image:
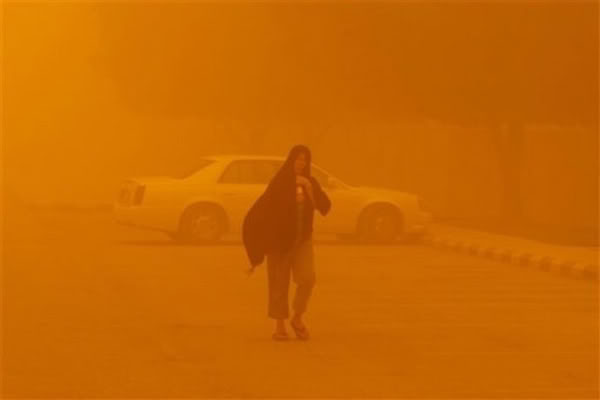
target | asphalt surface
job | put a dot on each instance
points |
(95, 310)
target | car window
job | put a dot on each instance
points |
(231, 174)
(239, 172)
(265, 170)
(250, 172)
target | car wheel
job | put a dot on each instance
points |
(379, 225)
(414, 238)
(173, 236)
(201, 224)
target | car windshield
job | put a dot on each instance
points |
(198, 165)
(323, 177)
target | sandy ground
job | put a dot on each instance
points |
(94, 310)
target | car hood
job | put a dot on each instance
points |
(144, 180)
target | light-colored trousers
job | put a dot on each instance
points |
(299, 263)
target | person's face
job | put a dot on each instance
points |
(300, 163)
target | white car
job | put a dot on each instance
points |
(214, 200)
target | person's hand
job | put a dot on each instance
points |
(250, 270)
(302, 180)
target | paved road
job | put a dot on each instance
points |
(91, 310)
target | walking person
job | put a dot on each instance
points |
(279, 227)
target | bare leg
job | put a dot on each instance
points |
(297, 320)
(299, 327)
(280, 325)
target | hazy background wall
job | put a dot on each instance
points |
(484, 110)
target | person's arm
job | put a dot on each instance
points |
(319, 198)
(309, 191)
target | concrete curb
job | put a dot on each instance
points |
(544, 262)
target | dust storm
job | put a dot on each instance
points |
(457, 143)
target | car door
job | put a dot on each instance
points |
(241, 183)
(345, 205)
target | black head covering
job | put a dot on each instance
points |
(270, 222)
(283, 183)
(293, 154)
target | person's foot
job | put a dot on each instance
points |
(280, 332)
(280, 335)
(299, 329)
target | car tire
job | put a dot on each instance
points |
(201, 224)
(379, 224)
(414, 238)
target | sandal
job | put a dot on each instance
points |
(280, 336)
(301, 331)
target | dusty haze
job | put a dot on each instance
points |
(487, 110)
(409, 96)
